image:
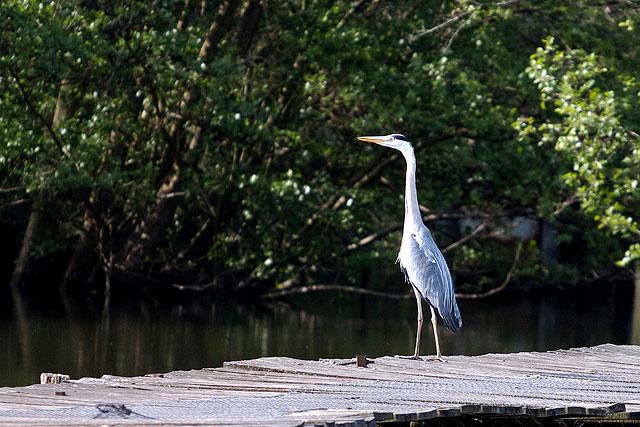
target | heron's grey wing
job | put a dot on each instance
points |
(433, 279)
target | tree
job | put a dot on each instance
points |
(592, 129)
(210, 144)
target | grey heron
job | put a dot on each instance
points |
(420, 260)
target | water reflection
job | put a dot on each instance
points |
(79, 338)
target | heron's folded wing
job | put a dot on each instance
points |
(434, 279)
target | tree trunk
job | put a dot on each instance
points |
(84, 256)
(22, 263)
(24, 257)
(87, 252)
(150, 232)
(250, 14)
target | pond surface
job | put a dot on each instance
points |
(79, 338)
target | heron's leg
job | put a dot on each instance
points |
(416, 354)
(434, 323)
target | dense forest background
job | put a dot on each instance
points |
(211, 144)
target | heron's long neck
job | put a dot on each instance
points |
(411, 209)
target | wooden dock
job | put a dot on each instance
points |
(587, 382)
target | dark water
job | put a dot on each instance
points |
(79, 338)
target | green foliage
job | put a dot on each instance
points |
(215, 142)
(589, 129)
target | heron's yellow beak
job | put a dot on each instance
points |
(376, 139)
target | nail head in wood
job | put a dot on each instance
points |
(361, 360)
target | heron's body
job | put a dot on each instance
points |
(420, 259)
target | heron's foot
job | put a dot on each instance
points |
(438, 359)
(412, 357)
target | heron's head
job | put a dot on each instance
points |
(394, 140)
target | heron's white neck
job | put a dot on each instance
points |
(411, 208)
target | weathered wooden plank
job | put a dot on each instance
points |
(283, 391)
(202, 422)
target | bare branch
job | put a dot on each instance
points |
(460, 16)
(15, 203)
(192, 242)
(456, 32)
(47, 125)
(355, 8)
(10, 190)
(314, 288)
(366, 241)
(195, 288)
(218, 26)
(439, 27)
(565, 204)
(502, 3)
(504, 284)
(464, 239)
(183, 16)
(172, 195)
